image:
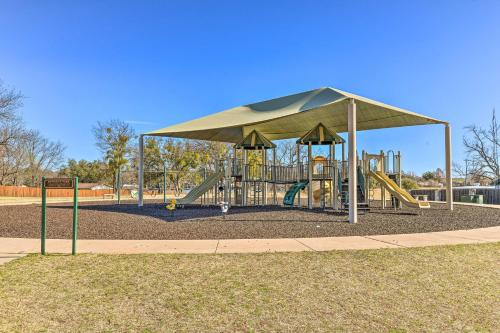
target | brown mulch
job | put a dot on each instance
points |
(127, 221)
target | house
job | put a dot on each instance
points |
(93, 186)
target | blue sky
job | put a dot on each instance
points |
(156, 63)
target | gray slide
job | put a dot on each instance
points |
(201, 189)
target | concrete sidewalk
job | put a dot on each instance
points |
(24, 245)
(6, 257)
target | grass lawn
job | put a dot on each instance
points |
(449, 288)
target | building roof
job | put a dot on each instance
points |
(294, 115)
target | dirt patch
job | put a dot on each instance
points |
(127, 221)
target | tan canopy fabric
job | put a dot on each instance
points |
(320, 135)
(255, 140)
(294, 115)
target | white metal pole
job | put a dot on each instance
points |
(366, 170)
(298, 173)
(141, 170)
(353, 186)
(343, 161)
(273, 175)
(449, 183)
(244, 178)
(400, 177)
(332, 170)
(309, 176)
(382, 188)
(264, 177)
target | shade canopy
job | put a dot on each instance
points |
(320, 135)
(294, 115)
(255, 140)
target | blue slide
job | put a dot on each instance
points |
(292, 191)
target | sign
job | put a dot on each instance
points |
(59, 183)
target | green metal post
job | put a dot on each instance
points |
(43, 233)
(164, 183)
(75, 216)
(119, 183)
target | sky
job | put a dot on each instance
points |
(157, 63)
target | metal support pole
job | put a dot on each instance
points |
(164, 183)
(227, 182)
(322, 194)
(217, 170)
(298, 173)
(275, 198)
(343, 161)
(366, 169)
(449, 183)
(141, 170)
(43, 233)
(75, 216)
(335, 185)
(353, 186)
(332, 175)
(119, 184)
(382, 188)
(264, 177)
(309, 176)
(400, 172)
(244, 179)
(255, 203)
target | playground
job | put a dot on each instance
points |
(251, 176)
(327, 190)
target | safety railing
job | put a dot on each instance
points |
(284, 173)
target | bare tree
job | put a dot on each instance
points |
(42, 156)
(11, 126)
(471, 171)
(286, 152)
(10, 102)
(13, 161)
(481, 146)
(12, 135)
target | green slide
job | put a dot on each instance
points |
(290, 194)
(201, 189)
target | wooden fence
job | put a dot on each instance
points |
(19, 191)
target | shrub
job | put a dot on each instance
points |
(429, 175)
(409, 184)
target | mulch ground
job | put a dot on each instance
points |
(127, 221)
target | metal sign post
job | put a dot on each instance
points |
(43, 234)
(164, 183)
(59, 183)
(75, 216)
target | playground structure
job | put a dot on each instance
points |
(315, 117)
(323, 180)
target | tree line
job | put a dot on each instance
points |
(26, 155)
(482, 147)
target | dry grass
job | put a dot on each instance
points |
(452, 288)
